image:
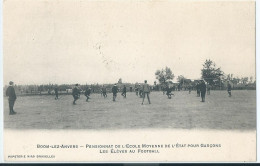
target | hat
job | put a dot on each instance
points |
(11, 83)
(77, 84)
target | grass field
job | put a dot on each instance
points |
(183, 111)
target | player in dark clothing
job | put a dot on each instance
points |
(56, 93)
(124, 92)
(208, 89)
(140, 91)
(198, 89)
(189, 88)
(114, 91)
(202, 90)
(146, 91)
(87, 93)
(229, 89)
(136, 91)
(169, 92)
(10, 92)
(75, 93)
(104, 91)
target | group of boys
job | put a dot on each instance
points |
(144, 90)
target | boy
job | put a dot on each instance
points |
(87, 93)
(10, 92)
(146, 91)
(75, 93)
(114, 91)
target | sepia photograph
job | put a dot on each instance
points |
(139, 74)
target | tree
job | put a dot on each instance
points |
(211, 73)
(183, 81)
(164, 75)
(251, 79)
(236, 80)
(244, 80)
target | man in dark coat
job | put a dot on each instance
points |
(189, 88)
(136, 90)
(76, 93)
(198, 89)
(202, 90)
(114, 91)
(87, 93)
(124, 92)
(229, 89)
(56, 92)
(10, 92)
(146, 91)
(140, 91)
(169, 92)
(104, 91)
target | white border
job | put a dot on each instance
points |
(257, 78)
(1, 85)
(257, 82)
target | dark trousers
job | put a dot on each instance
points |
(114, 96)
(105, 94)
(146, 93)
(229, 93)
(57, 96)
(198, 93)
(169, 94)
(124, 94)
(11, 105)
(76, 97)
(203, 95)
(141, 94)
(87, 97)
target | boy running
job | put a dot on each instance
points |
(75, 93)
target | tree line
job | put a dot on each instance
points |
(210, 73)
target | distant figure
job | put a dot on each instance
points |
(10, 92)
(136, 90)
(169, 92)
(163, 90)
(124, 91)
(198, 89)
(146, 91)
(56, 93)
(101, 92)
(76, 93)
(208, 89)
(114, 91)
(229, 89)
(189, 88)
(140, 91)
(104, 91)
(87, 93)
(202, 90)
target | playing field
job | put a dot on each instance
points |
(183, 111)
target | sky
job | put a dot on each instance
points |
(64, 41)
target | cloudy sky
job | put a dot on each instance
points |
(65, 41)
